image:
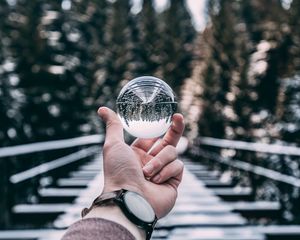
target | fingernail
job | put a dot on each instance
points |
(101, 111)
(148, 168)
(156, 178)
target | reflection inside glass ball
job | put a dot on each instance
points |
(145, 106)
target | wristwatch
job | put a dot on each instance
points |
(136, 208)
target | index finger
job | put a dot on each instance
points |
(173, 134)
(144, 144)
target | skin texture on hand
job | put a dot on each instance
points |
(155, 174)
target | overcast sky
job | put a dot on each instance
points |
(196, 7)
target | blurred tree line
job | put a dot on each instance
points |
(238, 79)
(245, 85)
(61, 60)
(245, 81)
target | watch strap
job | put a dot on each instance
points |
(116, 198)
(105, 199)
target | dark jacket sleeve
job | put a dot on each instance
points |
(97, 228)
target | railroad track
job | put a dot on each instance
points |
(208, 206)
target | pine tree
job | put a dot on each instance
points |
(267, 31)
(246, 85)
(150, 39)
(11, 100)
(240, 96)
(177, 34)
(56, 74)
(119, 53)
(288, 98)
(294, 21)
(3, 111)
(19, 53)
(8, 104)
(97, 11)
(221, 64)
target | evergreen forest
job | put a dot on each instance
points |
(237, 79)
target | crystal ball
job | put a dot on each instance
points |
(145, 107)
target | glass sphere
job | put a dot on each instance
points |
(145, 107)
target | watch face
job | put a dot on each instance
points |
(139, 207)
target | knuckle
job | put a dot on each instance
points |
(172, 151)
(171, 148)
(165, 143)
(157, 163)
(175, 155)
(180, 165)
(111, 123)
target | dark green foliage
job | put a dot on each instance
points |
(149, 37)
(249, 82)
(70, 57)
(177, 35)
(119, 49)
(250, 47)
(219, 69)
(61, 60)
(294, 50)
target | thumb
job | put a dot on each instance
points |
(114, 129)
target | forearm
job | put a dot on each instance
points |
(114, 214)
(97, 228)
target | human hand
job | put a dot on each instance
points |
(155, 175)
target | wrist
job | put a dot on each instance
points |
(115, 187)
(113, 213)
